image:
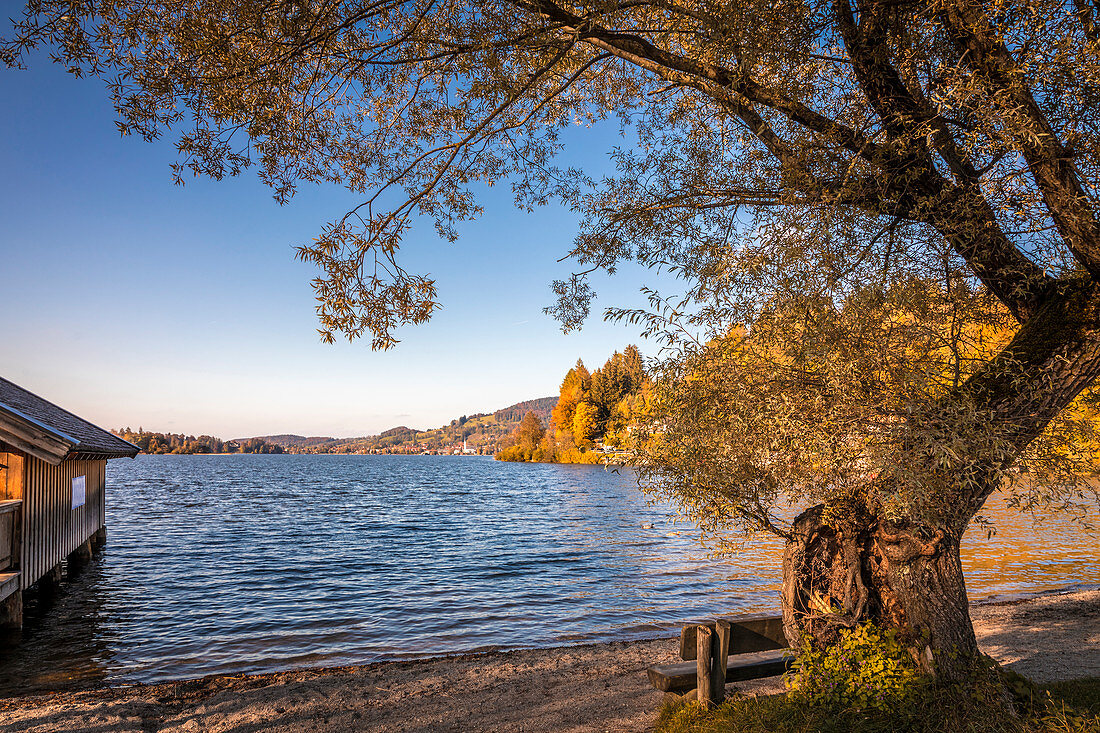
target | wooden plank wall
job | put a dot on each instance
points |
(51, 527)
(7, 539)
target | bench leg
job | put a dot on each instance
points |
(719, 650)
(703, 666)
(711, 655)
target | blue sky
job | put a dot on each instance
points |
(131, 301)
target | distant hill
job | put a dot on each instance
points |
(477, 433)
(481, 432)
(542, 407)
(293, 441)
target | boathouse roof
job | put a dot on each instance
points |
(46, 431)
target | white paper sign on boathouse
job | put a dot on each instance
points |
(78, 492)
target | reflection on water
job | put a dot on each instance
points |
(1028, 553)
(221, 564)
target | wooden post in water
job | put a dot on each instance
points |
(50, 581)
(80, 557)
(703, 662)
(11, 611)
(720, 650)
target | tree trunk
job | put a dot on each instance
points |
(903, 577)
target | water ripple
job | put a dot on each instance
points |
(219, 564)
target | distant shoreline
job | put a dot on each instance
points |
(602, 463)
(290, 453)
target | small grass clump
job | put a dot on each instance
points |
(1081, 695)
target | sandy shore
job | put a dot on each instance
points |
(594, 688)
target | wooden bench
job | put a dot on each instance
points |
(724, 650)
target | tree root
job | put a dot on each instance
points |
(824, 588)
(902, 576)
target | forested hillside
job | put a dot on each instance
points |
(478, 433)
(190, 444)
(292, 441)
(593, 410)
(485, 433)
(514, 414)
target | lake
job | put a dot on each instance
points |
(252, 563)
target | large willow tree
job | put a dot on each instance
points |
(885, 212)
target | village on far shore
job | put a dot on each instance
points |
(478, 434)
(592, 420)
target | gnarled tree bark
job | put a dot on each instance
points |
(907, 577)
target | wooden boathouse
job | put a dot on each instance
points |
(53, 468)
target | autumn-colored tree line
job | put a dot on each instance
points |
(190, 444)
(594, 409)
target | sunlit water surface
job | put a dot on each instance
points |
(219, 564)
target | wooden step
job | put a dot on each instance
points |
(740, 667)
(9, 583)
